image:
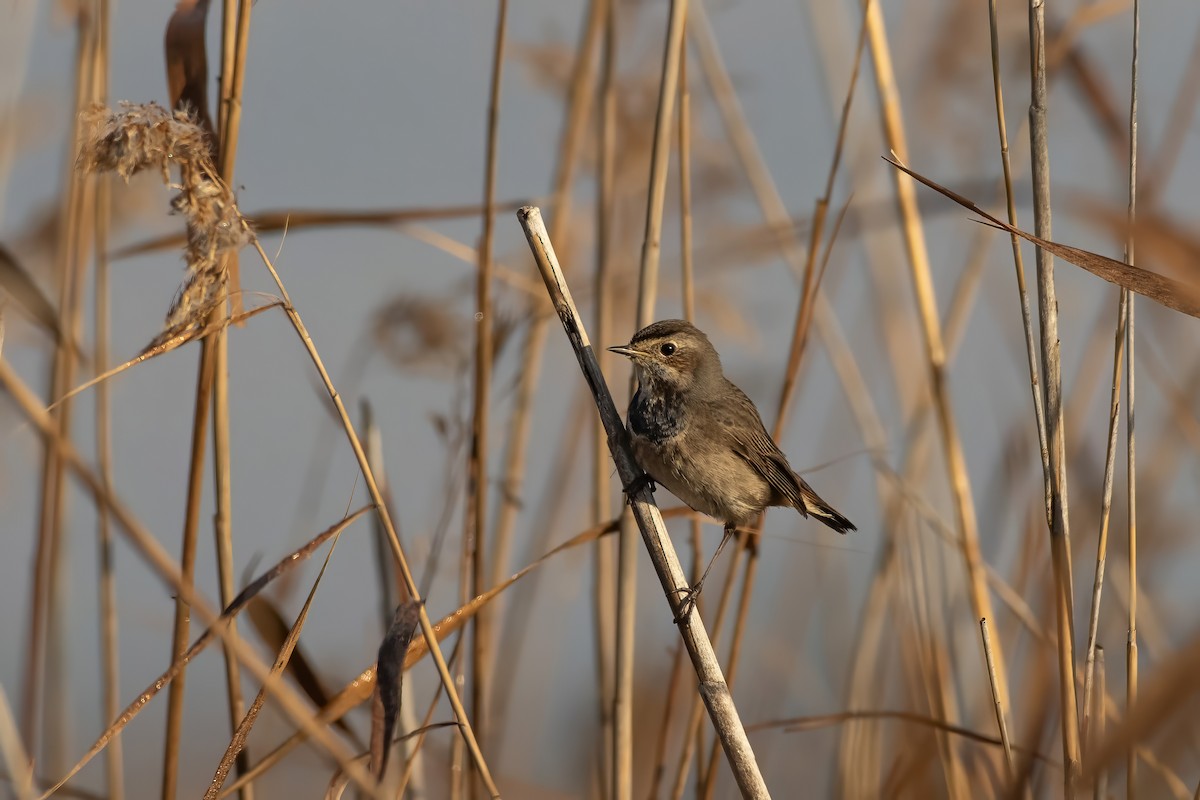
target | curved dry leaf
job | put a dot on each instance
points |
(187, 62)
(1173, 294)
(1178, 296)
(20, 285)
(389, 671)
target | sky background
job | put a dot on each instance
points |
(382, 105)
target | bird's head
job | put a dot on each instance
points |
(675, 353)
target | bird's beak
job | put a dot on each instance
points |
(628, 352)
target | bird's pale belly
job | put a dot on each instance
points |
(711, 480)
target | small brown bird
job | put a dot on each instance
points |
(700, 436)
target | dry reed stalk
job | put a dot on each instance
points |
(213, 373)
(187, 564)
(707, 778)
(45, 603)
(390, 586)
(660, 156)
(108, 609)
(477, 481)
(712, 683)
(935, 352)
(604, 567)
(1105, 511)
(1131, 655)
(686, 267)
(1018, 262)
(234, 50)
(626, 629)
(235, 39)
(1060, 542)
(933, 671)
(659, 762)
(692, 741)
(1101, 790)
(687, 294)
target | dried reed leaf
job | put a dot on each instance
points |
(202, 641)
(187, 63)
(297, 219)
(284, 655)
(274, 630)
(1181, 297)
(389, 670)
(21, 286)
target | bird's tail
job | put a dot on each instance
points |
(822, 511)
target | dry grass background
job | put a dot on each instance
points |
(395, 309)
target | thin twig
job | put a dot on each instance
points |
(477, 460)
(1001, 722)
(110, 649)
(1131, 657)
(40, 667)
(234, 53)
(603, 605)
(1105, 513)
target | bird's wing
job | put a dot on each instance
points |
(749, 439)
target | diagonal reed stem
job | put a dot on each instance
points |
(713, 687)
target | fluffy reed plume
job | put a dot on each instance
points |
(148, 136)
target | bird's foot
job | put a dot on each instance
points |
(688, 603)
(643, 481)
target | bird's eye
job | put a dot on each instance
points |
(667, 349)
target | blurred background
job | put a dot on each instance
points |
(378, 111)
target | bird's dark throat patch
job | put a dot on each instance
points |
(656, 412)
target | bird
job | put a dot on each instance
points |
(693, 431)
